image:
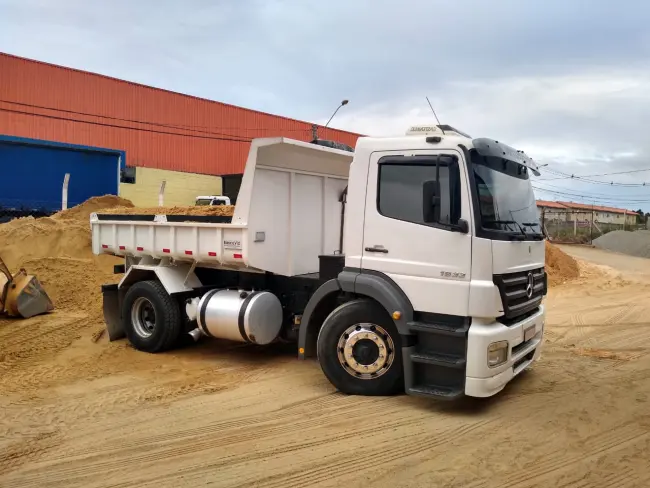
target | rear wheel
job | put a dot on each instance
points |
(359, 350)
(152, 319)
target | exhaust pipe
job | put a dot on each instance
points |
(195, 334)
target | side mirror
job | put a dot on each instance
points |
(431, 201)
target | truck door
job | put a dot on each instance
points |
(414, 205)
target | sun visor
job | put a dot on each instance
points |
(488, 147)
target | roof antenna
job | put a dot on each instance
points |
(434, 114)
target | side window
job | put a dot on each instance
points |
(405, 185)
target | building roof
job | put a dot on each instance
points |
(155, 128)
(549, 204)
(583, 206)
(598, 208)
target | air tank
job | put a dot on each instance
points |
(243, 316)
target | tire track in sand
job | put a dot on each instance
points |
(389, 452)
(597, 445)
(245, 430)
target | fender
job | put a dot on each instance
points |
(372, 284)
(381, 288)
(309, 331)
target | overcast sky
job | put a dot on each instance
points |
(568, 81)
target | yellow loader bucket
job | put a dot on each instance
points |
(22, 295)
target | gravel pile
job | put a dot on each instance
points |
(635, 243)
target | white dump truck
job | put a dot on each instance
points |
(414, 264)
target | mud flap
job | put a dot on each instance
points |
(112, 312)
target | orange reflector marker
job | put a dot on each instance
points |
(397, 315)
(301, 350)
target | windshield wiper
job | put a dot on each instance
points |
(539, 235)
(521, 229)
(523, 236)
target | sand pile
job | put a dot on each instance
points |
(82, 212)
(635, 243)
(560, 267)
(58, 251)
(208, 210)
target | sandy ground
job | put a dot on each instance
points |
(78, 411)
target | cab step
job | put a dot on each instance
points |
(437, 359)
(441, 392)
(454, 330)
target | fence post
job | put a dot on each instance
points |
(161, 193)
(64, 192)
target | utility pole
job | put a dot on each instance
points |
(314, 132)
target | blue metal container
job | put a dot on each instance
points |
(32, 173)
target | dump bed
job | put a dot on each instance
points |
(288, 213)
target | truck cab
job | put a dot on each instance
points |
(442, 229)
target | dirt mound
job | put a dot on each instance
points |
(74, 283)
(58, 251)
(82, 212)
(208, 210)
(560, 267)
(635, 243)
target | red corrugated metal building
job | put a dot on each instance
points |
(156, 128)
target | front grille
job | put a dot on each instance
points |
(514, 289)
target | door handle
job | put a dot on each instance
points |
(376, 249)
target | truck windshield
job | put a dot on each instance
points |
(203, 201)
(506, 198)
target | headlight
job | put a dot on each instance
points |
(497, 353)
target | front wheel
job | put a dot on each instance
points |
(152, 319)
(359, 350)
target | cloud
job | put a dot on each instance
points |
(565, 81)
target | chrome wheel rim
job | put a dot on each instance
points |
(143, 317)
(366, 351)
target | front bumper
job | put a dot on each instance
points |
(484, 381)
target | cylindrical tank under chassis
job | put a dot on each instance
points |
(243, 316)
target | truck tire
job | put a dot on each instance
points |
(152, 318)
(359, 350)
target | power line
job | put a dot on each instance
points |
(569, 176)
(170, 126)
(103, 124)
(594, 199)
(589, 194)
(563, 176)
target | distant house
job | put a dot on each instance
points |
(584, 213)
(554, 211)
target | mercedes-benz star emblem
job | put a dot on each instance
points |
(530, 284)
